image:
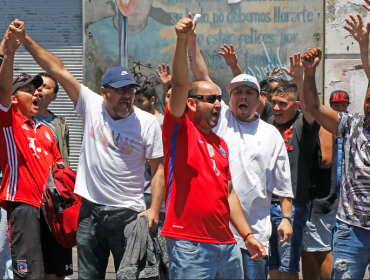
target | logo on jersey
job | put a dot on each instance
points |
(69, 266)
(32, 145)
(201, 141)
(222, 151)
(22, 266)
(211, 151)
(48, 136)
(25, 127)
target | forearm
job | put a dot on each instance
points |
(158, 189)
(365, 58)
(49, 62)
(180, 68)
(286, 204)
(237, 217)
(197, 64)
(236, 70)
(2, 47)
(6, 78)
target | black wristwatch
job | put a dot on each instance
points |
(290, 217)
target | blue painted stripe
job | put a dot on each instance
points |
(172, 159)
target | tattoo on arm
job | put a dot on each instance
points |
(313, 91)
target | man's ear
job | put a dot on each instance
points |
(192, 104)
(297, 105)
(103, 91)
(152, 100)
(264, 95)
(14, 99)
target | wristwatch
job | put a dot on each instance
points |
(290, 217)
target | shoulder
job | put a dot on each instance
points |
(144, 118)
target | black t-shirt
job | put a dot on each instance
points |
(267, 111)
(324, 196)
(304, 156)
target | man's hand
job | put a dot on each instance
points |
(358, 30)
(255, 248)
(18, 29)
(164, 74)
(274, 72)
(229, 55)
(153, 218)
(285, 230)
(11, 43)
(296, 67)
(311, 58)
(184, 28)
(367, 5)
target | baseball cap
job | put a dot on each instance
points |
(339, 96)
(118, 77)
(24, 79)
(243, 80)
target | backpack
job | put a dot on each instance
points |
(60, 205)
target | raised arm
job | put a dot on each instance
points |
(165, 76)
(325, 116)
(296, 72)
(49, 62)
(180, 78)
(360, 32)
(231, 59)
(11, 44)
(197, 64)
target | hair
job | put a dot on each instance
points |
(265, 84)
(148, 92)
(56, 86)
(287, 89)
(169, 87)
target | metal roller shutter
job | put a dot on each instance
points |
(57, 26)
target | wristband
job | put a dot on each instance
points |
(246, 236)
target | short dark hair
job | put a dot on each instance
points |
(265, 84)
(56, 86)
(287, 89)
(147, 91)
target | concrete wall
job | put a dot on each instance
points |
(343, 68)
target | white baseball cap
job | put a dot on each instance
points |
(243, 80)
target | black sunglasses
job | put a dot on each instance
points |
(210, 98)
(22, 77)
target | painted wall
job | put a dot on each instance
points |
(264, 32)
(343, 68)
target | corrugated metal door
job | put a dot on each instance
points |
(57, 26)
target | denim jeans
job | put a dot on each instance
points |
(254, 269)
(6, 269)
(198, 260)
(95, 241)
(351, 252)
(285, 256)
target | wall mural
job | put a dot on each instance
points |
(264, 33)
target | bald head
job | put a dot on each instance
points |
(200, 87)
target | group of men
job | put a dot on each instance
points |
(248, 188)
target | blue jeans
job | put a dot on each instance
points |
(6, 269)
(198, 260)
(254, 269)
(351, 252)
(285, 256)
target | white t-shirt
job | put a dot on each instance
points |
(259, 166)
(111, 165)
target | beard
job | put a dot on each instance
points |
(203, 117)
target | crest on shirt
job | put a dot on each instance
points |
(22, 266)
(25, 127)
(222, 151)
(211, 151)
(48, 136)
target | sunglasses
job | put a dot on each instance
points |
(210, 98)
(22, 77)
(122, 90)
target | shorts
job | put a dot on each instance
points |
(286, 256)
(318, 233)
(34, 250)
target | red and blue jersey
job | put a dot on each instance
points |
(196, 174)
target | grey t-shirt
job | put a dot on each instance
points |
(354, 201)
